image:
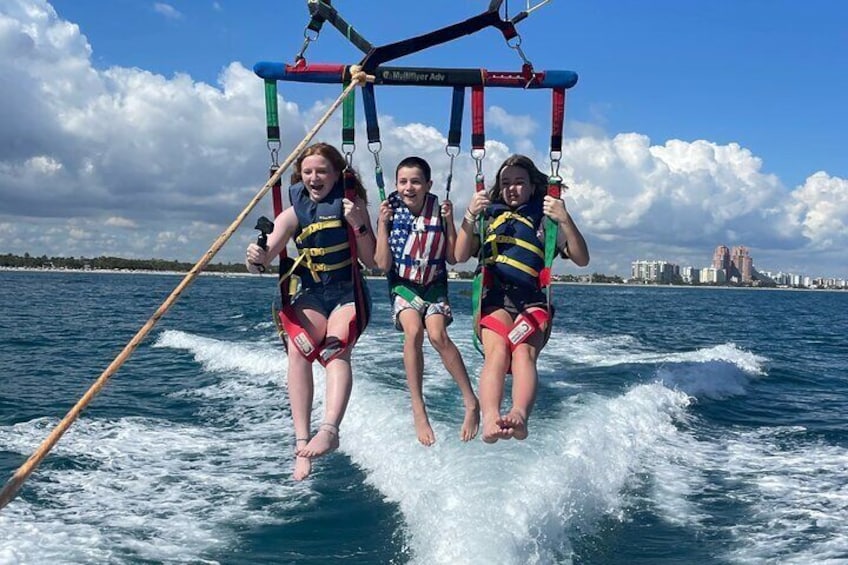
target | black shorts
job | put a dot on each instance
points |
(513, 299)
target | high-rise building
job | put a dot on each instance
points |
(743, 263)
(712, 275)
(721, 259)
(654, 271)
(690, 275)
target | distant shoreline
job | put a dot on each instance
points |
(451, 281)
(120, 272)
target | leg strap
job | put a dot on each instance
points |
(299, 337)
(524, 326)
(333, 346)
(324, 352)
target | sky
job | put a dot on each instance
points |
(137, 129)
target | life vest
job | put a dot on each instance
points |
(513, 254)
(417, 242)
(325, 256)
(322, 238)
(513, 250)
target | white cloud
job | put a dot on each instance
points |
(820, 207)
(167, 10)
(512, 125)
(119, 222)
(127, 162)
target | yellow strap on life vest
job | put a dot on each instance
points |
(316, 267)
(495, 239)
(287, 276)
(513, 263)
(321, 251)
(318, 226)
(509, 216)
(324, 267)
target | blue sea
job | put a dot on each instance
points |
(673, 425)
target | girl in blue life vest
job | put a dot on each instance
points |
(515, 208)
(323, 311)
(415, 241)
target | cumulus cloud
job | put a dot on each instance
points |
(122, 161)
(820, 209)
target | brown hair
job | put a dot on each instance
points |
(337, 161)
(414, 162)
(538, 179)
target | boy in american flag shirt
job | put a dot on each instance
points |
(415, 241)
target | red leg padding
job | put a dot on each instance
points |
(327, 350)
(524, 326)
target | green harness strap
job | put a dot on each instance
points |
(409, 295)
(477, 288)
(551, 231)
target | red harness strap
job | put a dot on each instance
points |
(524, 326)
(299, 336)
(324, 352)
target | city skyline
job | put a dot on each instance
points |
(733, 265)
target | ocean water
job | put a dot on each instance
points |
(672, 425)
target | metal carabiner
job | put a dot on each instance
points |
(348, 153)
(555, 157)
(274, 149)
(299, 59)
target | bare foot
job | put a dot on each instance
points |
(471, 423)
(299, 444)
(302, 465)
(516, 423)
(423, 430)
(493, 430)
(322, 443)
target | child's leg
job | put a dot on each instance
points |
(495, 365)
(524, 385)
(413, 364)
(300, 389)
(452, 360)
(338, 387)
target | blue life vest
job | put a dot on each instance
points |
(417, 242)
(514, 252)
(322, 238)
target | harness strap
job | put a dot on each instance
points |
(524, 326)
(322, 11)
(326, 351)
(360, 318)
(407, 294)
(489, 18)
(288, 325)
(478, 152)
